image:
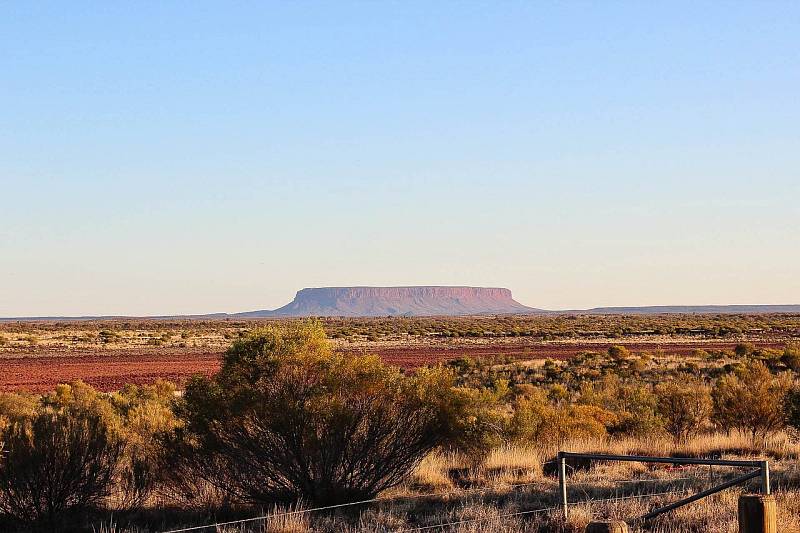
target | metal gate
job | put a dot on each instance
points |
(762, 471)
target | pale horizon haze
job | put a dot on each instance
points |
(193, 157)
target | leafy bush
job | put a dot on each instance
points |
(752, 400)
(125, 428)
(537, 421)
(14, 407)
(287, 419)
(791, 409)
(54, 463)
(744, 349)
(634, 405)
(791, 356)
(618, 353)
(685, 407)
(474, 419)
(145, 419)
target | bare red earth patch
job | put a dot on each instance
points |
(110, 370)
(105, 372)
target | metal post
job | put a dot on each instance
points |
(765, 485)
(562, 482)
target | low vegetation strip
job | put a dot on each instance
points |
(37, 356)
(110, 370)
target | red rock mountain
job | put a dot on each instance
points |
(398, 301)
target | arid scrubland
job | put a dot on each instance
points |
(209, 333)
(108, 354)
(290, 424)
(444, 489)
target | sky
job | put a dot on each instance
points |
(193, 157)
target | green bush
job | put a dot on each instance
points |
(132, 422)
(288, 419)
(55, 463)
(744, 349)
(791, 357)
(535, 420)
(14, 407)
(145, 421)
(685, 407)
(634, 405)
(752, 399)
(618, 353)
(791, 408)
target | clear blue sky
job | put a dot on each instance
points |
(177, 157)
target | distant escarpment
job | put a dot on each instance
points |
(397, 301)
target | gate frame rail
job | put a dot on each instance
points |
(762, 472)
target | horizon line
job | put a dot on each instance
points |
(680, 309)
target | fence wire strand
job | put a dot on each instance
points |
(534, 511)
(512, 487)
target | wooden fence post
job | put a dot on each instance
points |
(757, 514)
(614, 526)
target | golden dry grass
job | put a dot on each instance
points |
(499, 496)
(512, 481)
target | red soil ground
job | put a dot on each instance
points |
(110, 370)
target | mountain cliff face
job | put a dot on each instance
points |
(398, 301)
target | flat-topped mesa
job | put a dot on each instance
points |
(399, 301)
(404, 292)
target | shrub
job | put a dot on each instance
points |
(146, 420)
(791, 408)
(287, 419)
(791, 357)
(618, 353)
(536, 421)
(751, 400)
(474, 419)
(634, 405)
(138, 418)
(54, 463)
(107, 336)
(744, 349)
(685, 407)
(15, 407)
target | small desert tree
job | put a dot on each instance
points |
(751, 400)
(287, 419)
(684, 406)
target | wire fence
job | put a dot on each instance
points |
(461, 492)
(532, 511)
